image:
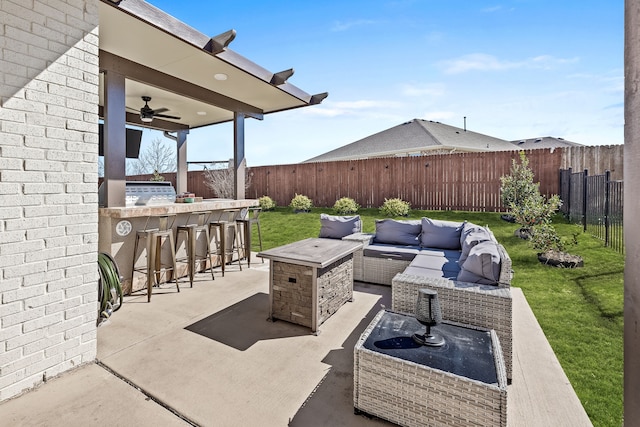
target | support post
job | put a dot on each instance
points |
(182, 171)
(115, 147)
(239, 162)
(569, 194)
(631, 208)
(607, 201)
(584, 199)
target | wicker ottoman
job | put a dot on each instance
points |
(429, 390)
(486, 306)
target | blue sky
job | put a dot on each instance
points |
(516, 69)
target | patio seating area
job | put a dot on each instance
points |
(209, 356)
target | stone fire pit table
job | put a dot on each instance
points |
(310, 279)
(462, 383)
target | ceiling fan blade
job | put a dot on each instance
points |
(164, 116)
(160, 110)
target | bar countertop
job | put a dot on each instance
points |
(176, 208)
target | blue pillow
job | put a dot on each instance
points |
(398, 232)
(337, 227)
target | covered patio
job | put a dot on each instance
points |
(157, 72)
(208, 356)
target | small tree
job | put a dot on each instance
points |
(522, 196)
(221, 180)
(518, 186)
(157, 157)
(530, 209)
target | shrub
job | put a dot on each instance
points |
(301, 203)
(395, 207)
(345, 206)
(266, 203)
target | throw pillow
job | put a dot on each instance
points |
(470, 237)
(337, 227)
(398, 232)
(441, 234)
(482, 265)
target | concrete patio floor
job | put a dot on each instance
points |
(208, 356)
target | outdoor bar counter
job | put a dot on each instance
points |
(118, 226)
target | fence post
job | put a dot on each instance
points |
(584, 200)
(607, 176)
(569, 195)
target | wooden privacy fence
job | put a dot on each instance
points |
(596, 202)
(462, 181)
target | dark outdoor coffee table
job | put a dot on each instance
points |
(461, 383)
(309, 280)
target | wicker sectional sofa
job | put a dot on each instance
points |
(462, 261)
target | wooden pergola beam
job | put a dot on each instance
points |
(146, 75)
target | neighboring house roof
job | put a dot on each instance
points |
(543, 142)
(413, 138)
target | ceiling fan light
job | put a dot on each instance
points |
(146, 119)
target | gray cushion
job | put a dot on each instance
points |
(423, 260)
(398, 232)
(430, 272)
(441, 234)
(482, 265)
(446, 253)
(470, 237)
(337, 227)
(405, 253)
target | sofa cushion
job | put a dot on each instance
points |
(446, 253)
(337, 227)
(425, 260)
(482, 265)
(430, 272)
(399, 252)
(398, 232)
(470, 237)
(441, 234)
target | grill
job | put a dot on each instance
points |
(145, 193)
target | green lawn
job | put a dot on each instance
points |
(580, 310)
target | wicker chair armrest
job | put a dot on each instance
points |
(506, 268)
(441, 282)
(365, 238)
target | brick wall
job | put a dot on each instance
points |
(48, 182)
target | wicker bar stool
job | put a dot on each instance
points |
(191, 239)
(154, 238)
(247, 218)
(221, 229)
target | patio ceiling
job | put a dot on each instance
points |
(181, 70)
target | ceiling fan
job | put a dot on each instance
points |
(147, 113)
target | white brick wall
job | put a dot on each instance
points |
(48, 189)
